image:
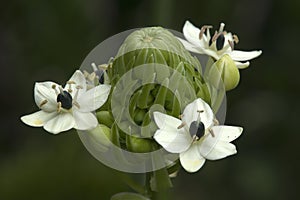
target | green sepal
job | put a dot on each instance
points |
(162, 92)
(115, 135)
(133, 102)
(203, 91)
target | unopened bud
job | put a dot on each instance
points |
(139, 145)
(228, 72)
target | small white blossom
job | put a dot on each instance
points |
(68, 107)
(216, 46)
(196, 137)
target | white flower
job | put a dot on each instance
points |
(68, 107)
(197, 137)
(219, 44)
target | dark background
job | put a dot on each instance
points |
(47, 40)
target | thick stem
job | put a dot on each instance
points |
(133, 185)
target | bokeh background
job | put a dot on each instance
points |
(47, 40)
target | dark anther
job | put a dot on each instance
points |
(100, 74)
(65, 99)
(220, 42)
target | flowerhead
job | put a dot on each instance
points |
(98, 76)
(196, 137)
(64, 108)
(216, 45)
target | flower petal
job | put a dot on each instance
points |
(191, 113)
(227, 133)
(84, 121)
(191, 160)
(190, 47)
(38, 119)
(214, 148)
(62, 122)
(173, 141)
(244, 55)
(76, 80)
(93, 98)
(241, 65)
(45, 96)
(191, 33)
(166, 122)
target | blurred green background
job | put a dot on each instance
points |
(47, 40)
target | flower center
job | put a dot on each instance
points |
(99, 73)
(65, 99)
(220, 42)
(197, 129)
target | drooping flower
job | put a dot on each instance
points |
(196, 137)
(216, 46)
(68, 107)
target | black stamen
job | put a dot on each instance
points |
(65, 99)
(197, 129)
(100, 74)
(220, 42)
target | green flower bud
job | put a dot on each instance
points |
(139, 145)
(105, 117)
(228, 71)
(171, 69)
(154, 45)
(100, 137)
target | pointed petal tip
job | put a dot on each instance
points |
(191, 160)
(259, 52)
(187, 22)
(241, 65)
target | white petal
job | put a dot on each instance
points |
(191, 113)
(244, 55)
(213, 148)
(191, 160)
(94, 98)
(62, 122)
(166, 122)
(227, 133)
(189, 46)
(45, 96)
(38, 119)
(191, 33)
(76, 80)
(174, 141)
(84, 121)
(241, 65)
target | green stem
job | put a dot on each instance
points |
(133, 185)
(147, 184)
